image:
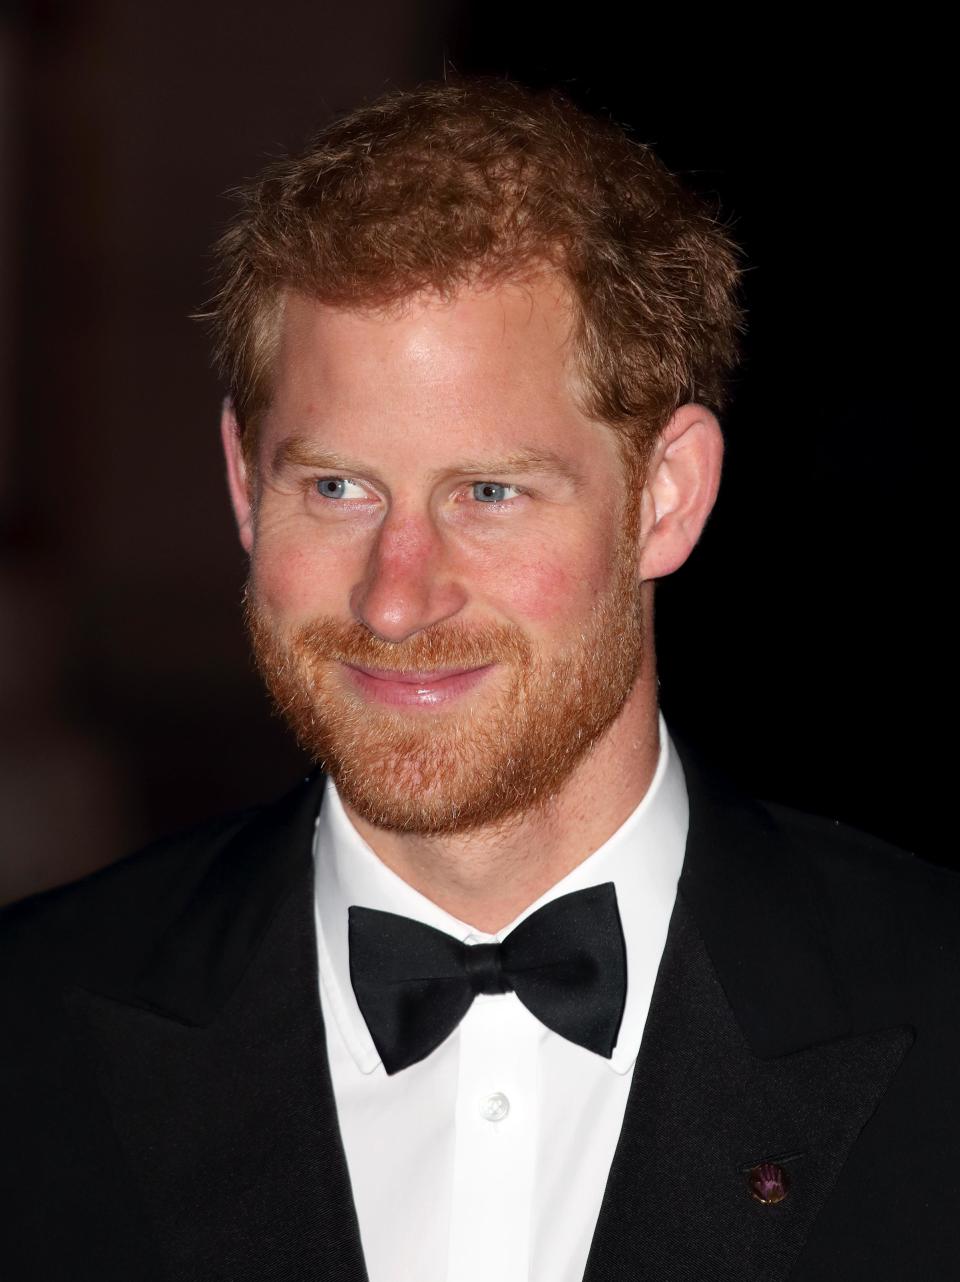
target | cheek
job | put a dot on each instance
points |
(551, 586)
(539, 590)
(300, 570)
(295, 585)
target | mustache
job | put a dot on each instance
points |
(450, 645)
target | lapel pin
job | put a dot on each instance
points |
(768, 1183)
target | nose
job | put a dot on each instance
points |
(408, 582)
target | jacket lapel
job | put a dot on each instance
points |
(747, 1056)
(215, 1070)
(703, 1110)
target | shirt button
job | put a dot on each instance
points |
(495, 1107)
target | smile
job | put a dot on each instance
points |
(418, 689)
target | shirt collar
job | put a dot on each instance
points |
(643, 859)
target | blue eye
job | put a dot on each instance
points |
(491, 491)
(335, 487)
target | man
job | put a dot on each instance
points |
(509, 991)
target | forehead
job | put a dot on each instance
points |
(487, 366)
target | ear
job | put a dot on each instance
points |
(683, 477)
(238, 478)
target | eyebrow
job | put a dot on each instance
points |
(295, 451)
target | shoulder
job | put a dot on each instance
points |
(107, 922)
(850, 864)
(781, 848)
(892, 920)
(819, 900)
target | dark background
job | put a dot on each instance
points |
(796, 647)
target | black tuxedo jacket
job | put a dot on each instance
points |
(168, 1113)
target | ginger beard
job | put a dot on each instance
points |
(502, 750)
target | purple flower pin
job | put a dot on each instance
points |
(768, 1183)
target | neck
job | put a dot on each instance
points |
(488, 876)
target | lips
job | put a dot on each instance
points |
(415, 687)
(413, 676)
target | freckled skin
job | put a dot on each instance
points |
(409, 402)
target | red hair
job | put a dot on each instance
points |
(474, 182)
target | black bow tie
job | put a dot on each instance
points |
(566, 962)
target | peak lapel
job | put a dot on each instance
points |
(703, 1110)
(750, 1054)
(215, 1072)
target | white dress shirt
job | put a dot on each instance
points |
(487, 1161)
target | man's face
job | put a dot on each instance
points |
(444, 598)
